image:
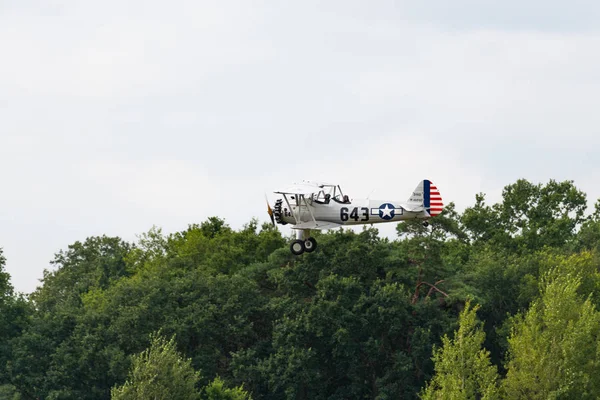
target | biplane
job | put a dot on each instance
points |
(316, 205)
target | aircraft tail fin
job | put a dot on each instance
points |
(426, 196)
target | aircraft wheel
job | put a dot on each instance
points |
(310, 245)
(297, 247)
(425, 224)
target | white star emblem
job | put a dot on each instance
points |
(386, 211)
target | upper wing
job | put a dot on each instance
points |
(317, 225)
(318, 183)
(305, 189)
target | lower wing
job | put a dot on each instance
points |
(317, 225)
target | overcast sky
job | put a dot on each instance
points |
(119, 115)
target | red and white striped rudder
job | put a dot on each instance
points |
(432, 199)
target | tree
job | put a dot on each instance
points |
(159, 373)
(95, 263)
(216, 390)
(588, 237)
(436, 251)
(98, 307)
(6, 289)
(14, 314)
(529, 217)
(358, 318)
(8, 392)
(6, 293)
(553, 347)
(462, 367)
(54, 357)
(349, 340)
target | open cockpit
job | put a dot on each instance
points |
(328, 192)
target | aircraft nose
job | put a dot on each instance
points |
(278, 211)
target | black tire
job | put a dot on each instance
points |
(425, 224)
(297, 247)
(310, 245)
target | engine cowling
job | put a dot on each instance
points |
(278, 212)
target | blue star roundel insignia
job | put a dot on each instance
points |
(387, 211)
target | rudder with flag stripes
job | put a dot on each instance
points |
(432, 199)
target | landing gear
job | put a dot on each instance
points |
(425, 224)
(297, 247)
(303, 243)
(310, 245)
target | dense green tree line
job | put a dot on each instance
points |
(499, 301)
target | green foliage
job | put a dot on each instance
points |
(95, 263)
(56, 356)
(14, 313)
(554, 346)
(5, 286)
(159, 373)
(106, 296)
(216, 390)
(588, 237)
(529, 217)
(358, 318)
(5, 323)
(9, 392)
(462, 367)
(482, 222)
(348, 341)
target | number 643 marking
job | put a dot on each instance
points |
(364, 214)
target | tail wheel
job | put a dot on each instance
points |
(310, 245)
(297, 247)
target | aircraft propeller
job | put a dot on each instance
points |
(270, 210)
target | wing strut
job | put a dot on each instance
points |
(296, 214)
(290, 207)
(309, 210)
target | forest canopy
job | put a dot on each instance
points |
(497, 301)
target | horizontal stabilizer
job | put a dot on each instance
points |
(412, 207)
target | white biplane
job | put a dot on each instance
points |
(315, 205)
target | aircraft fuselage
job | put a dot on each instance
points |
(356, 212)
